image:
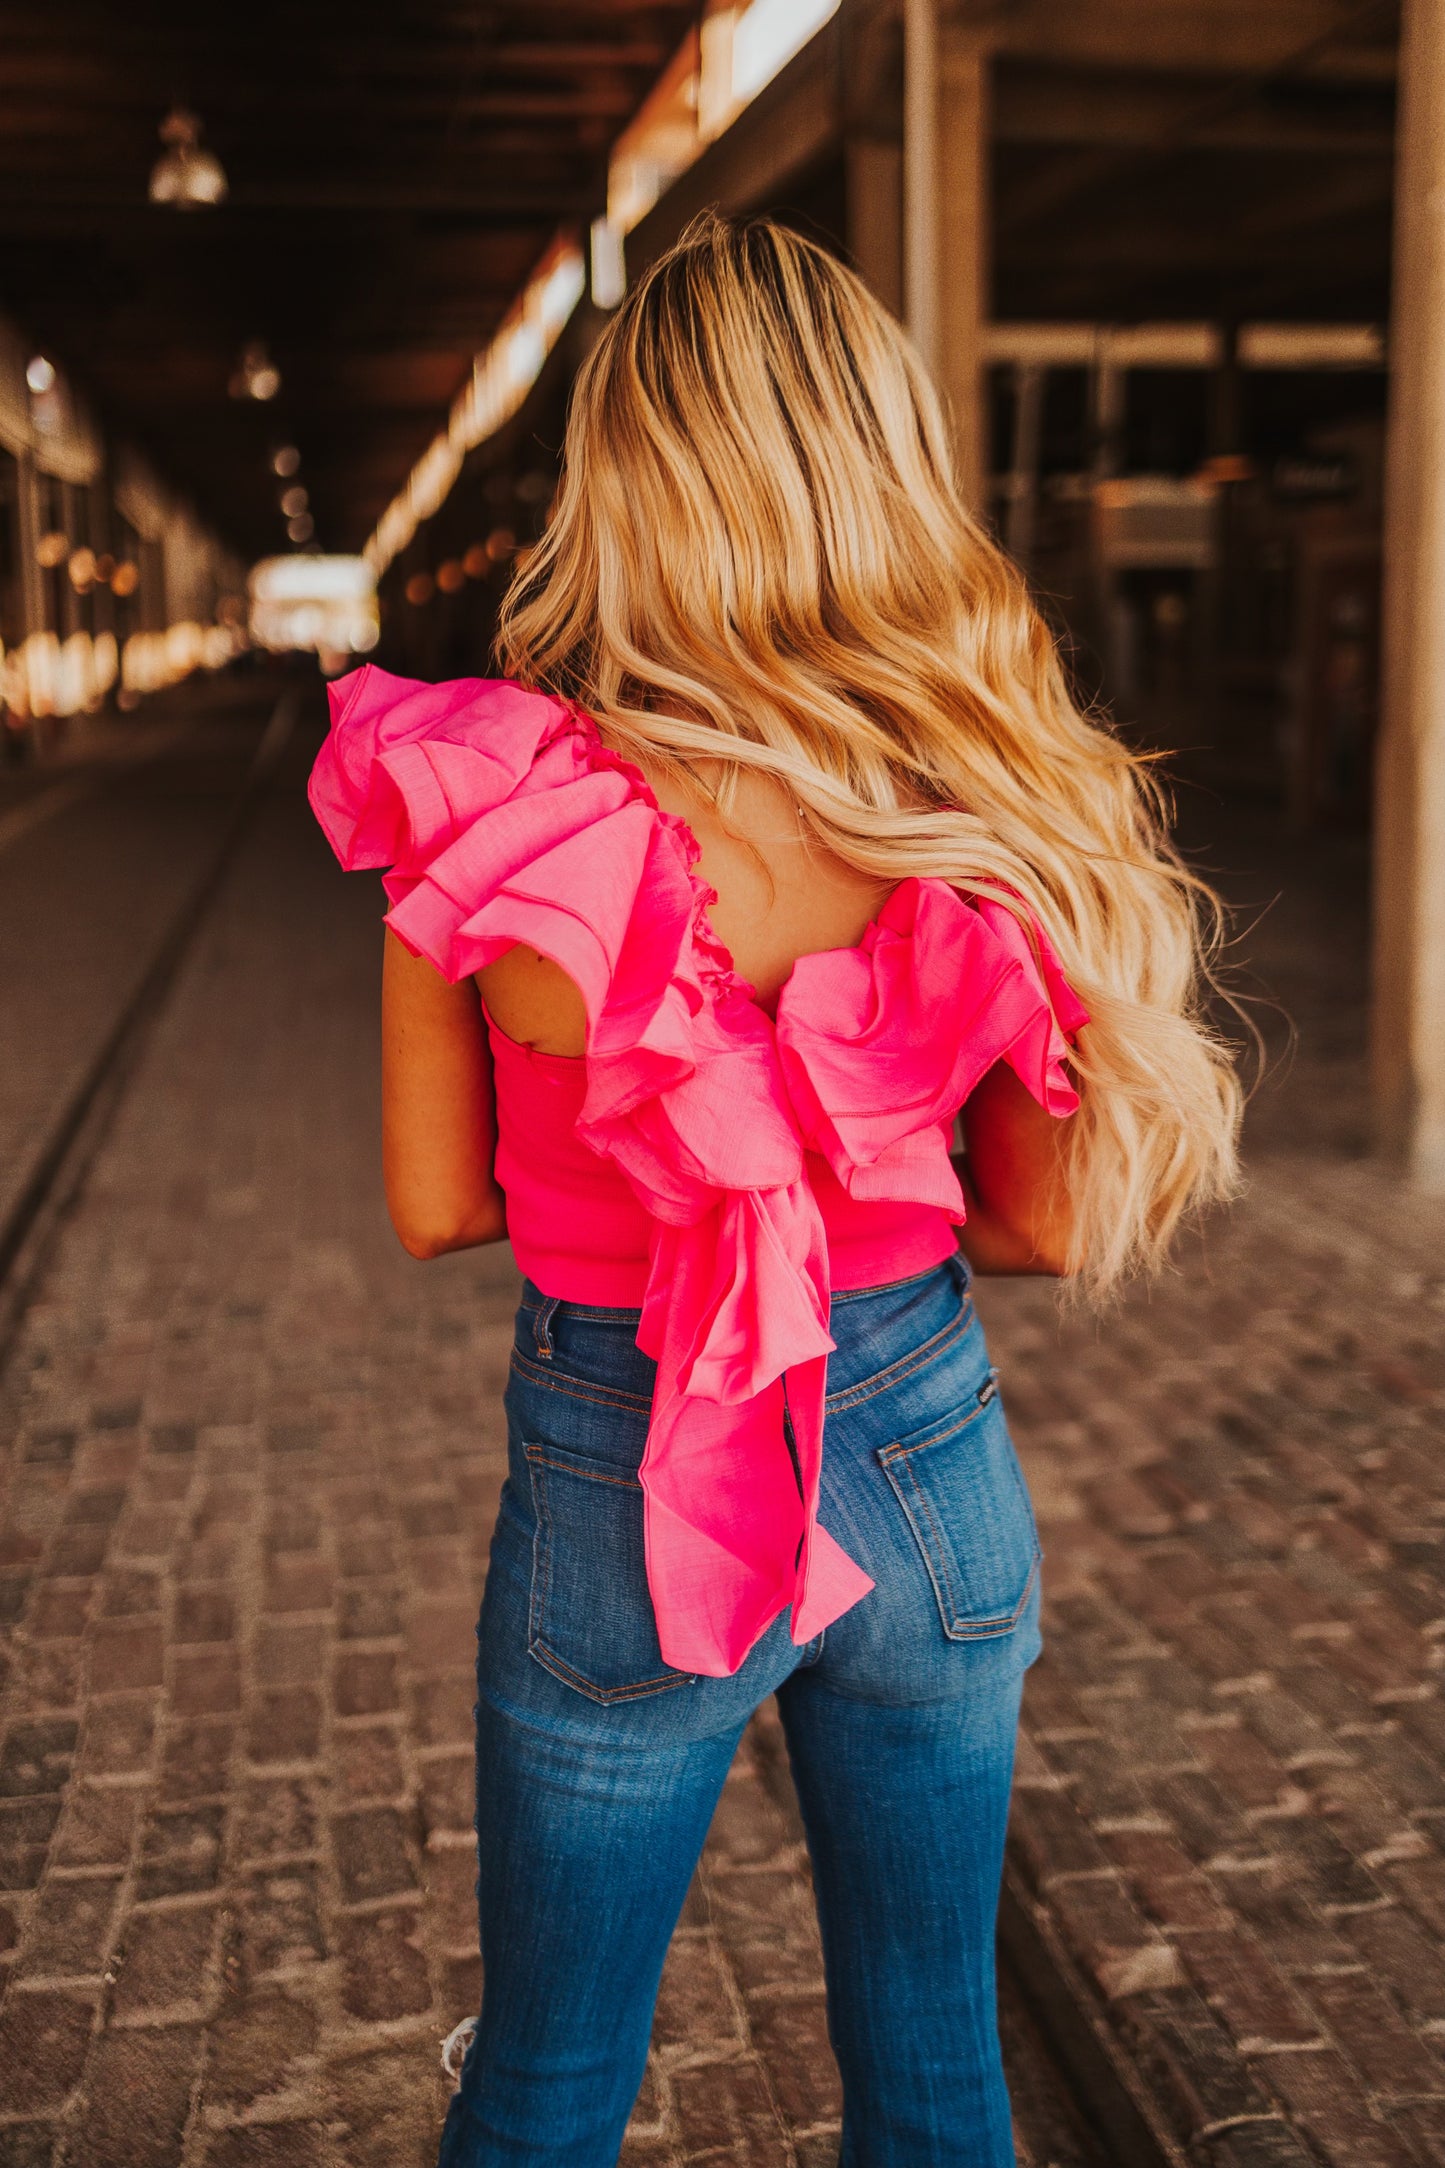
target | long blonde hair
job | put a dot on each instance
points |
(758, 555)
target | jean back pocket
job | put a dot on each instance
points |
(591, 1622)
(961, 1487)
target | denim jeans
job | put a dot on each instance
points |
(598, 1767)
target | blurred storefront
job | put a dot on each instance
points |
(110, 586)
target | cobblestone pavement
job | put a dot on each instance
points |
(254, 1456)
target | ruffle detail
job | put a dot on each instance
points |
(881, 1044)
(502, 818)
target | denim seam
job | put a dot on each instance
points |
(856, 1396)
(542, 1318)
(550, 1661)
(537, 1458)
(941, 1579)
(935, 1560)
(539, 1595)
(604, 1396)
(897, 1451)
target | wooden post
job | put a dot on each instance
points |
(946, 221)
(921, 149)
(1409, 990)
(964, 247)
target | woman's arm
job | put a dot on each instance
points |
(1019, 1214)
(438, 1110)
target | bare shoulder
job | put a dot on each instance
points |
(532, 1000)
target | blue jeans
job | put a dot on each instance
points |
(598, 1767)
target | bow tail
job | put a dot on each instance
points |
(827, 1581)
(730, 1476)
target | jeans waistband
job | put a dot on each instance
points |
(587, 1313)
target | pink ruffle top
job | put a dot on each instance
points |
(717, 1168)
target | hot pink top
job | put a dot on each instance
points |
(715, 1168)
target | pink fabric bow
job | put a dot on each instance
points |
(505, 820)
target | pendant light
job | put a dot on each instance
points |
(186, 176)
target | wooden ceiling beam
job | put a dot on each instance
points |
(1085, 111)
(1201, 37)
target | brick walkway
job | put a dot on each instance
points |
(1231, 1803)
(99, 844)
(255, 1456)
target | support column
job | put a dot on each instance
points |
(965, 235)
(946, 221)
(1409, 871)
(921, 132)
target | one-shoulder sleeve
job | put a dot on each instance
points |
(502, 818)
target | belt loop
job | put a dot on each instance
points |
(546, 1310)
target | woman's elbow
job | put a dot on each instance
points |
(426, 1239)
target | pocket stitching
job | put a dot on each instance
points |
(536, 1458)
(538, 1647)
(603, 1396)
(548, 1658)
(857, 1396)
(901, 1449)
(899, 1456)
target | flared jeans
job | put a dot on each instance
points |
(598, 1767)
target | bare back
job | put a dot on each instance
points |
(780, 896)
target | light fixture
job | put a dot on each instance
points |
(185, 176)
(125, 579)
(255, 376)
(82, 570)
(52, 549)
(40, 374)
(419, 589)
(302, 528)
(294, 502)
(285, 460)
(450, 577)
(609, 266)
(476, 563)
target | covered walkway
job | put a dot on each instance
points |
(250, 1453)
(255, 1455)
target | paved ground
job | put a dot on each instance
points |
(253, 1459)
(99, 842)
(1231, 1801)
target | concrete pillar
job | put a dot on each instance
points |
(946, 220)
(1409, 989)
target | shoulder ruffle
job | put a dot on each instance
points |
(881, 1044)
(503, 819)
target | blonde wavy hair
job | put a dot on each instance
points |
(758, 555)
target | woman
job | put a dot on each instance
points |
(784, 845)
